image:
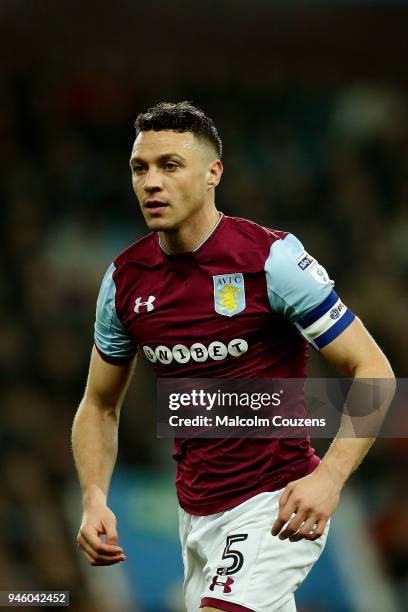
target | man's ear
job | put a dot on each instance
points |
(214, 173)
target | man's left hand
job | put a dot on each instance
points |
(308, 504)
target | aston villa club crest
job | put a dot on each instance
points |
(229, 294)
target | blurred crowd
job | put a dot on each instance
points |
(328, 164)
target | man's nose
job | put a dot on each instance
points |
(153, 181)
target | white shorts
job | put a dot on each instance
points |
(234, 563)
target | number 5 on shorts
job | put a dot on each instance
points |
(236, 555)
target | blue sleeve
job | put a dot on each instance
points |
(111, 338)
(300, 289)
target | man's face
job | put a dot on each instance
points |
(170, 177)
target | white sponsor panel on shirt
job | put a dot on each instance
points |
(198, 352)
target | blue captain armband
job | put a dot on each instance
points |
(300, 289)
(325, 322)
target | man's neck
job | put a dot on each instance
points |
(188, 237)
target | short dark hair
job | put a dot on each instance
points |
(179, 117)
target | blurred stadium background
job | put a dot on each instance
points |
(311, 102)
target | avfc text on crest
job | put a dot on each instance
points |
(229, 293)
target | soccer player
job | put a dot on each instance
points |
(207, 295)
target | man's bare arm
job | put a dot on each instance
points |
(356, 355)
(314, 498)
(95, 447)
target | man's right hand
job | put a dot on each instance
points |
(98, 519)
